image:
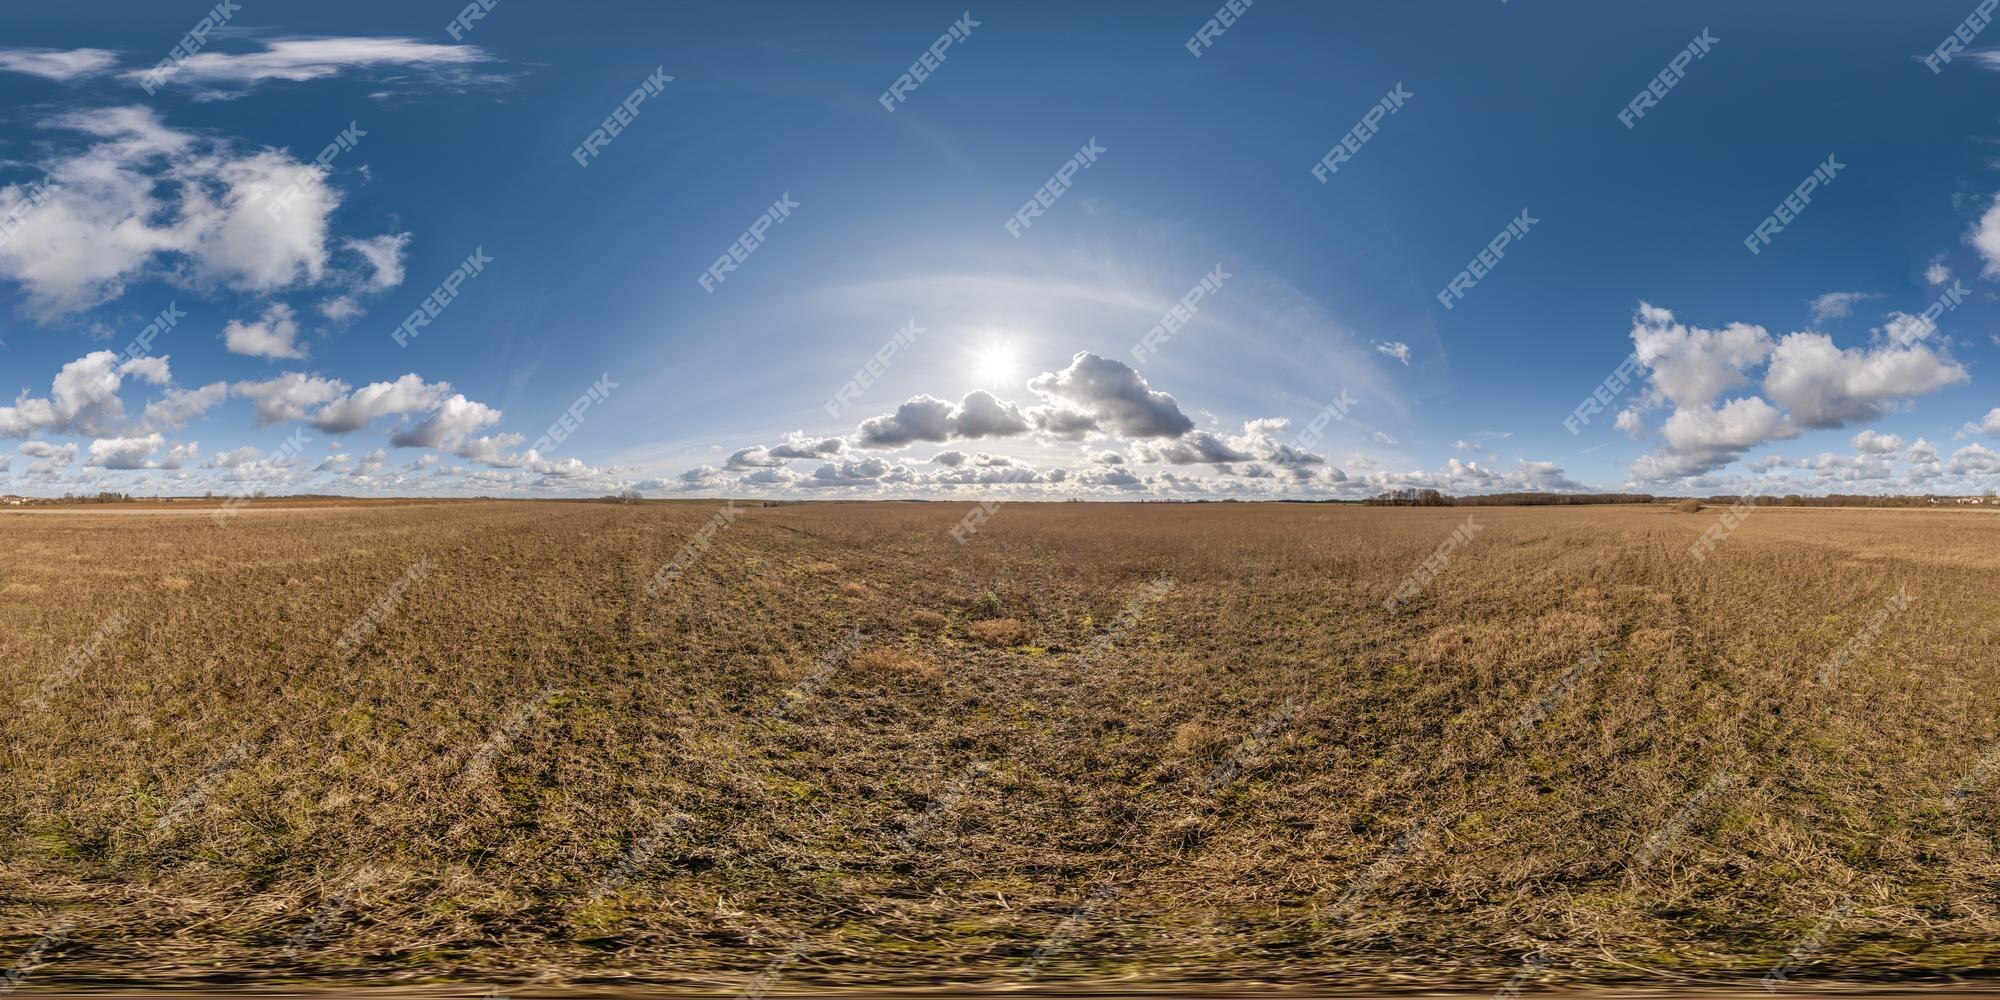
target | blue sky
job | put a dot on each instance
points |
(1004, 360)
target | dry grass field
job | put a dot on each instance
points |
(1153, 744)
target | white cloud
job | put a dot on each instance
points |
(124, 452)
(147, 368)
(288, 396)
(83, 397)
(1990, 425)
(178, 406)
(452, 422)
(1195, 447)
(222, 74)
(409, 394)
(1975, 460)
(1395, 349)
(341, 308)
(1937, 273)
(384, 256)
(1114, 396)
(58, 64)
(382, 268)
(27, 416)
(928, 418)
(148, 201)
(1834, 305)
(797, 445)
(232, 459)
(1985, 237)
(1904, 329)
(53, 457)
(1813, 383)
(1875, 443)
(272, 336)
(491, 450)
(1701, 439)
(1691, 366)
(1825, 386)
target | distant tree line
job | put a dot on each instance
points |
(1414, 497)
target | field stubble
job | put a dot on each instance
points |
(1062, 751)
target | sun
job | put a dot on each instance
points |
(995, 364)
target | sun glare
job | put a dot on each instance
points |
(995, 365)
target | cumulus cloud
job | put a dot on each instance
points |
(178, 406)
(1826, 386)
(1937, 273)
(796, 445)
(1813, 384)
(922, 418)
(1904, 329)
(1698, 440)
(1974, 460)
(144, 200)
(1062, 422)
(928, 418)
(83, 397)
(124, 452)
(981, 415)
(147, 368)
(862, 473)
(456, 418)
(382, 260)
(289, 396)
(232, 459)
(1114, 478)
(272, 336)
(1876, 443)
(987, 475)
(353, 411)
(1193, 448)
(62, 65)
(384, 256)
(1989, 425)
(1834, 305)
(52, 457)
(1985, 238)
(1114, 396)
(1691, 366)
(491, 450)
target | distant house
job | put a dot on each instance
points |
(12, 500)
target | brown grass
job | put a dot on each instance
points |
(998, 631)
(894, 663)
(529, 767)
(1687, 506)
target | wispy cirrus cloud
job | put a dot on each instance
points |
(297, 60)
(58, 64)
